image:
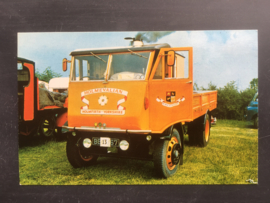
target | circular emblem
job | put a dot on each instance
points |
(102, 100)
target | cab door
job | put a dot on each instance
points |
(171, 89)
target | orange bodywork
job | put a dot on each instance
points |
(139, 104)
(203, 101)
(29, 94)
(134, 116)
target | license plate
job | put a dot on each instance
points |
(105, 142)
(114, 141)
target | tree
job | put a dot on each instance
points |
(195, 86)
(254, 84)
(47, 74)
(211, 86)
(228, 102)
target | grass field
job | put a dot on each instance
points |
(231, 157)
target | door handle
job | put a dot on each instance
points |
(189, 82)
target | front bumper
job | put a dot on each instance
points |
(139, 146)
(108, 130)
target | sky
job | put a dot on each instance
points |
(219, 56)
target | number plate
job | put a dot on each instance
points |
(105, 142)
(96, 141)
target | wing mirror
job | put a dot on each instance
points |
(170, 58)
(65, 61)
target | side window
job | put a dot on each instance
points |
(86, 69)
(89, 67)
(77, 71)
(180, 69)
(158, 73)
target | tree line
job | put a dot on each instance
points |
(231, 103)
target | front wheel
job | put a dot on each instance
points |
(74, 155)
(167, 155)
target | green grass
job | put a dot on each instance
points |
(231, 157)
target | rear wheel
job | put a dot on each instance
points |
(205, 133)
(199, 131)
(167, 155)
(74, 155)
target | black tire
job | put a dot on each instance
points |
(46, 126)
(166, 161)
(199, 131)
(74, 155)
(256, 122)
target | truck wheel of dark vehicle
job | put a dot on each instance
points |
(46, 126)
(167, 155)
(75, 157)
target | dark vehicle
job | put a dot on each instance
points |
(252, 111)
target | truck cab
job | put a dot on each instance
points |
(131, 102)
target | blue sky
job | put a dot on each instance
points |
(219, 56)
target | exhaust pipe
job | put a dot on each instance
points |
(135, 43)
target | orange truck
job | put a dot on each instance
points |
(33, 118)
(135, 102)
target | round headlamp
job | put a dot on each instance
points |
(87, 143)
(124, 145)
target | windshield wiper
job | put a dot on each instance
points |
(98, 57)
(137, 54)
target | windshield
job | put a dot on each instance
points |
(124, 66)
(91, 67)
(129, 66)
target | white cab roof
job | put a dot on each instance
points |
(59, 83)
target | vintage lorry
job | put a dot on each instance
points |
(134, 102)
(38, 112)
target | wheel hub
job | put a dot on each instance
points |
(173, 153)
(176, 154)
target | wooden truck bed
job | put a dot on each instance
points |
(203, 101)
